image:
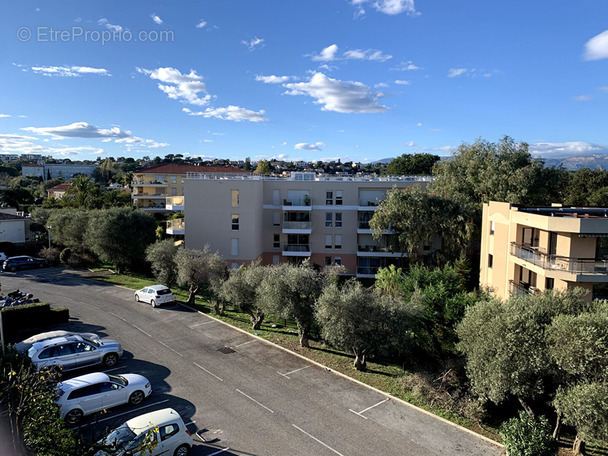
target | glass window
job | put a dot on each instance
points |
(329, 220)
(338, 241)
(329, 198)
(235, 198)
(65, 349)
(174, 179)
(276, 241)
(276, 197)
(275, 259)
(168, 430)
(235, 222)
(80, 347)
(234, 247)
(173, 192)
(338, 261)
(328, 241)
(338, 197)
(492, 226)
(327, 261)
(338, 218)
(490, 260)
(276, 218)
(235, 266)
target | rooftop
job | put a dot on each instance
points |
(183, 168)
(312, 177)
(574, 212)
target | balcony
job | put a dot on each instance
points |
(372, 250)
(152, 183)
(297, 227)
(559, 263)
(152, 206)
(175, 203)
(147, 195)
(302, 250)
(365, 205)
(176, 226)
(367, 272)
(297, 204)
(521, 288)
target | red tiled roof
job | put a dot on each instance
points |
(60, 187)
(183, 168)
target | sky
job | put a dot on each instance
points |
(355, 80)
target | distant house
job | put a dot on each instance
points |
(58, 190)
(13, 228)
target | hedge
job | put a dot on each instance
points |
(30, 316)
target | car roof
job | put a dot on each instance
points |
(55, 334)
(18, 257)
(84, 380)
(157, 287)
(142, 422)
(54, 341)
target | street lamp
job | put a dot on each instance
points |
(48, 231)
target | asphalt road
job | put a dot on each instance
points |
(241, 395)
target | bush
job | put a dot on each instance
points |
(526, 436)
(28, 316)
(52, 254)
(65, 255)
(81, 260)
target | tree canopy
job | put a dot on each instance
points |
(411, 164)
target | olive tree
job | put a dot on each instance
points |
(161, 256)
(241, 290)
(196, 268)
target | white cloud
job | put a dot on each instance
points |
(567, 148)
(382, 85)
(106, 24)
(272, 79)
(19, 144)
(455, 72)
(201, 24)
(80, 130)
(390, 7)
(235, 113)
(597, 47)
(156, 19)
(178, 86)
(406, 66)
(336, 95)
(327, 54)
(72, 71)
(402, 82)
(603, 89)
(253, 43)
(5, 115)
(583, 98)
(306, 146)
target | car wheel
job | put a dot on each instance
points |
(136, 397)
(12, 269)
(110, 360)
(153, 302)
(73, 417)
(136, 298)
(183, 450)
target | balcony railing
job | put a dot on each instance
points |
(297, 202)
(373, 248)
(176, 224)
(522, 288)
(368, 203)
(141, 183)
(175, 200)
(367, 270)
(297, 225)
(149, 194)
(363, 226)
(296, 248)
(559, 263)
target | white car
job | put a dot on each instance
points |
(155, 295)
(171, 436)
(92, 393)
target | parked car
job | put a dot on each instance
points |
(3, 256)
(172, 437)
(23, 346)
(90, 393)
(74, 352)
(155, 295)
(23, 262)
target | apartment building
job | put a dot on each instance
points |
(324, 219)
(532, 249)
(48, 171)
(161, 188)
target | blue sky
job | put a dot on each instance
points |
(356, 80)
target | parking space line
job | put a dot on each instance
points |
(244, 343)
(218, 452)
(203, 323)
(174, 351)
(368, 408)
(210, 373)
(293, 371)
(259, 403)
(132, 410)
(316, 440)
(139, 329)
(117, 316)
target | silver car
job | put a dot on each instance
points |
(74, 352)
(23, 346)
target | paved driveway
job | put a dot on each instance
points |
(243, 396)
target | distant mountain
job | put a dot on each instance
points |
(384, 161)
(574, 162)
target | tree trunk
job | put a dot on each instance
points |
(216, 306)
(558, 425)
(256, 320)
(193, 289)
(304, 339)
(360, 363)
(578, 448)
(118, 268)
(525, 406)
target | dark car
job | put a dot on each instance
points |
(24, 262)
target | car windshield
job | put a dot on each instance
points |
(31, 352)
(119, 437)
(164, 291)
(92, 342)
(59, 392)
(119, 379)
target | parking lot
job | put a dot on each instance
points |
(240, 395)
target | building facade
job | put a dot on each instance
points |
(48, 171)
(161, 188)
(290, 219)
(532, 249)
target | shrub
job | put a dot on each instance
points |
(81, 260)
(526, 436)
(65, 255)
(52, 254)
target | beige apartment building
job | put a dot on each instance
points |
(324, 219)
(532, 249)
(161, 188)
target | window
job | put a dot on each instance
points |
(276, 218)
(338, 261)
(338, 197)
(329, 198)
(276, 241)
(80, 347)
(168, 430)
(276, 259)
(234, 247)
(550, 283)
(235, 198)
(235, 222)
(174, 179)
(234, 265)
(173, 192)
(276, 197)
(338, 241)
(327, 261)
(492, 226)
(328, 241)
(490, 260)
(338, 218)
(329, 217)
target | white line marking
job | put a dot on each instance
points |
(316, 440)
(244, 343)
(117, 316)
(138, 328)
(114, 369)
(375, 405)
(164, 344)
(191, 422)
(259, 403)
(218, 452)
(357, 413)
(293, 371)
(199, 324)
(133, 410)
(213, 375)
